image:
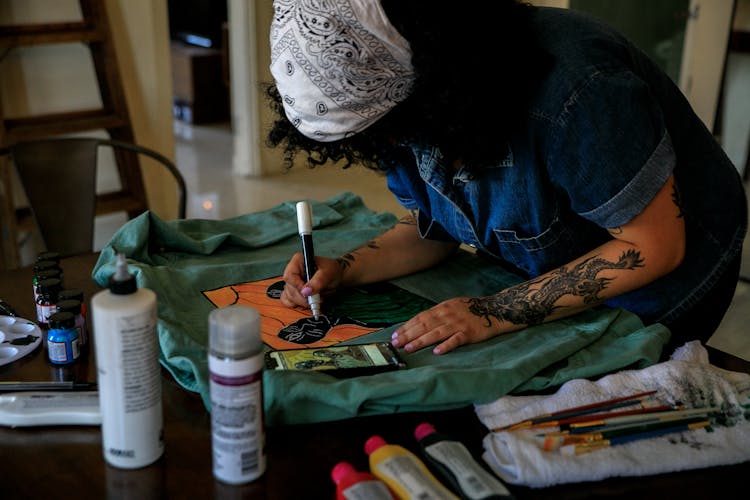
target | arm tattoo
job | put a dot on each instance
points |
(409, 220)
(532, 302)
(345, 261)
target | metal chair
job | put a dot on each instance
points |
(59, 179)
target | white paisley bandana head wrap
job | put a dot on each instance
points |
(339, 65)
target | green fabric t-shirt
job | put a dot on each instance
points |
(181, 259)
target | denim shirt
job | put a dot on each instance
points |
(604, 132)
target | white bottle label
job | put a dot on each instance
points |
(140, 363)
(403, 470)
(237, 434)
(474, 481)
(367, 490)
(57, 352)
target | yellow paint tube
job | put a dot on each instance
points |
(404, 472)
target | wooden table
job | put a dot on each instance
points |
(62, 462)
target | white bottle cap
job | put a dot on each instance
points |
(234, 331)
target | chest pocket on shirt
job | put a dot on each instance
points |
(538, 253)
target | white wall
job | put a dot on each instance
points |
(735, 125)
(704, 55)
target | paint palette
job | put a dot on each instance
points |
(18, 337)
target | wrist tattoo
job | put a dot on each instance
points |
(532, 302)
(409, 220)
(346, 260)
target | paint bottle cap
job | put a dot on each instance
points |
(71, 293)
(47, 273)
(54, 256)
(62, 320)
(68, 305)
(41, 265)
(122, 282)
(341, 470)
(423, 430)
(234, 331)
(374, 443)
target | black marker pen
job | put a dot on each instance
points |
(304, 224)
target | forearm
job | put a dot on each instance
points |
(612, 269)
(397, 252)
(648, 247)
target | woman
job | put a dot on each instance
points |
(538, 136)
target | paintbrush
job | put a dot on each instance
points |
(556, 440)
(588, 426)
(577, 411)
(565, 423)
(581, 448)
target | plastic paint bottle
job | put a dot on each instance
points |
(235, 366)
(128, 371)
(62, 339)
(403, 471)
(74, 306)
(454, 464)
(352, 484)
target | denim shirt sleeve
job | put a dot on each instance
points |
(610, 150)
(400, 182)
(397, 186)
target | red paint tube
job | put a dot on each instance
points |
(352, 484)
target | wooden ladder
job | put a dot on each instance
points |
(93, 30)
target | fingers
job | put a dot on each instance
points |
(294, 282)
(291, 297)
(296, 286)
(417, 334)
(445, 326)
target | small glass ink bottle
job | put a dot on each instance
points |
(75, 294)
(63, 346)
(43, 274)
(74, 306)
(46, 302)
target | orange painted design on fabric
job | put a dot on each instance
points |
(275, 316)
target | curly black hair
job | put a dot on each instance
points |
(476, 65)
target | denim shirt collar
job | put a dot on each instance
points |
(433, 169)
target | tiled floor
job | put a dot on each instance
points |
(204, 155)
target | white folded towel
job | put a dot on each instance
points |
(687, 379)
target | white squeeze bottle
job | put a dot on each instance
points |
(235, 370)
(128, 372)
